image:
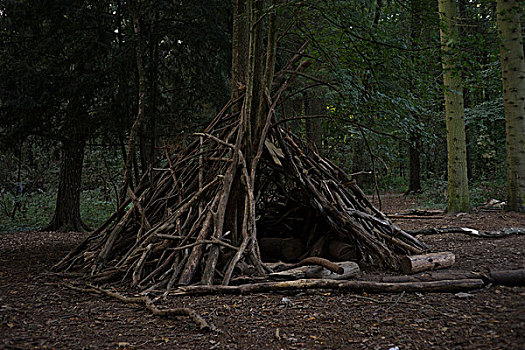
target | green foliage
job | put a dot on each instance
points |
(484, 190)
(485, 125)
(35, 210)
(434, 193)
(55, 64)
(69, 74)
(386, 62)
(394, 184)
(96, 207)
(68, 67)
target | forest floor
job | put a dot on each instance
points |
(37, 311)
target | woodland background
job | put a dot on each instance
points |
(69, 83)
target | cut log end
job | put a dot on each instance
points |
(424, 262)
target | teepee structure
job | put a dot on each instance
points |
(220, 208)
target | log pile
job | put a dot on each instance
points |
(181, 227)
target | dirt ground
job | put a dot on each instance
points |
(37, 311)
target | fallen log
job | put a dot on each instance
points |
(430, 261)
(445, 286)
(349, 270)
(429, 276)
(471, 232)
(510, 278)
(413, 217)
(417, 214)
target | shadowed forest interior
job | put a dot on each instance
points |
(262, 174)
(254, 122)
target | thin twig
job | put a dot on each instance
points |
(148, 304)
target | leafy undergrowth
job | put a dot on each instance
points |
(434, 193)
(35, 210)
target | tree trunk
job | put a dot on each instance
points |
(377, 15)
(513, 74)
(254, 81)
(414, 170)
(67, 211)
(414, 167)
(141, 76)
(314, 126)
(240, 44)
(153, 93)
(458, 196)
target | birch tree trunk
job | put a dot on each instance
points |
(513, 75)
(458, 197)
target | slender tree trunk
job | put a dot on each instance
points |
(377, 15)
(240, 43)
(414, 168)
(458, 196)
(152, 105)
(255, 75)
(127, 181)
(239, 199)
(143, 152)
(314, 126)
(67, 211)
(513, 74)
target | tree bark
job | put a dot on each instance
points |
(414, 170)
(141, 76)
(458, 196)
(513, 75)
(314, 126)
(240, 42)
(254, 79)
(240, 47)
(67, 210)
(151, 110)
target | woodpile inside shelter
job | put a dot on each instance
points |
(218, 213)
